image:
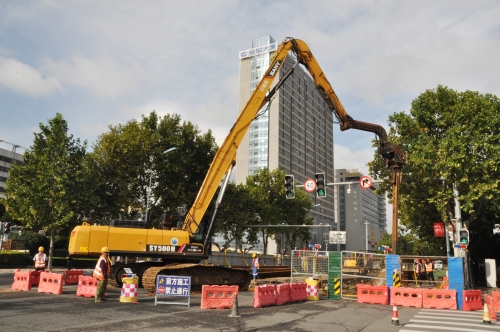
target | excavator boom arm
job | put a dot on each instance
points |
(392, 154)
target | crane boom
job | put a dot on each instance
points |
(393, 156)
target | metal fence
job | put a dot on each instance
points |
(361, 268)
(409, 278)
(245, 259)
(309, 263)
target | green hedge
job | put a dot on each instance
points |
(14, 258)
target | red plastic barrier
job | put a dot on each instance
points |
(472, 300)
(406, 297)
(35, 278)
(439, 299)
(71, 276)
(488, 300)
(218, 297)
(87, 286)
(22, 280)
(298, 292)
(263, 296)
(495, 296)
(372, 294)
(50, 283)
(282, 294)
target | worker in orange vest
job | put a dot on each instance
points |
(429, 271)
(40, 260)
(101, 272)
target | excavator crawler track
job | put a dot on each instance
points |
(200, 275)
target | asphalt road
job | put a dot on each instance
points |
(33, 311)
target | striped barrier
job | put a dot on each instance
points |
(406, 297)
(372, 294)
(312, 289)
(50, 283)
(298, 292)
(336, 286)
(218, 297)
(263, 296)
(396, 279)
(22, 280)
(282, 294)
(87, 286)
(472, 300)
(130, 288)
(71, 276)
(439, 299)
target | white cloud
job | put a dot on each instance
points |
(101, 75)
(24, 79)
(345, 158)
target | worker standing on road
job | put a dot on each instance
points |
(101, 272)
(255, 266)
(419, 270)
(429, 271)
(40, 260)
(69, 261)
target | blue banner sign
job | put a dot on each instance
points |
(173, 286)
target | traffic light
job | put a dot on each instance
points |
(289, 187)
(464, 237)
(320, 185)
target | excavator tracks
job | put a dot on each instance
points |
(200, 275)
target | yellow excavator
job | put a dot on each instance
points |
(181, 250)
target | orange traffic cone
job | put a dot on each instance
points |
(486, 315)
(395, 317)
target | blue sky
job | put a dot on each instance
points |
(102, 63)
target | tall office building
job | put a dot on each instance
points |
(7, 158)
(294, 134)
(361, 212)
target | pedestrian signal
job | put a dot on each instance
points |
(320, 185)
(289, 187)
(464, 237)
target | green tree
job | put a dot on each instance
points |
(267, 189)
(52, 188)
(452, 138)
(2, 209)
(236, 212)
(125, 158)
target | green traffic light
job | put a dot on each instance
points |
(321, 192)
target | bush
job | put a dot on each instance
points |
(61, 242)
(14, 258)
(30, 241)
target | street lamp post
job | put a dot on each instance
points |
(149, 187)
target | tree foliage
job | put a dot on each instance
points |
(125, 158)
(267, 189)
(236, 212)
(452, 138)
(52, 188)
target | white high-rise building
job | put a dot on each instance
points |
(295, 134)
